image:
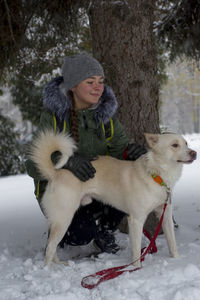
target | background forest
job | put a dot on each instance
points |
(149, 50)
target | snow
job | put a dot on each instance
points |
(23, 233)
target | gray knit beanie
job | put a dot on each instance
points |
(79, 67)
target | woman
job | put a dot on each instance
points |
(78, 102)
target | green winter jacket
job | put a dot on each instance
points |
(100, 132)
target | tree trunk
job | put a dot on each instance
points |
(122, 40)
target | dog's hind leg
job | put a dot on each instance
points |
(57, 231)
(168, 229)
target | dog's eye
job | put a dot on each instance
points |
(175, 145)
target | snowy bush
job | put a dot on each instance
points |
(12, 156)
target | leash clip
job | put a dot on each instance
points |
(169, 195)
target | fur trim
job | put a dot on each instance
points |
(55, 100)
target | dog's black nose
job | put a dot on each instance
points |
(193, 154)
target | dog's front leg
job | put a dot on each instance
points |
(168, 229)
(135, 233)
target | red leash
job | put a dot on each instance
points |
(95, 279)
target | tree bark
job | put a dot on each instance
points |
(122, 40)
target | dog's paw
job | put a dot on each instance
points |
(63, 262)
(137, 264)
(60, 262)
(175, 254)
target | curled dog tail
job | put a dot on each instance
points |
(44, 145)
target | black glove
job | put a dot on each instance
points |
(134, 151)
(80, 166)
(55, 157)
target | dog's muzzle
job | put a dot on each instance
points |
(193, 156)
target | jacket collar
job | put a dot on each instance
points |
(57, 102)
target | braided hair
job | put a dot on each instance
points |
(74, 124)
(73, 119)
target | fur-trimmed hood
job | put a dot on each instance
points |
(55, 100)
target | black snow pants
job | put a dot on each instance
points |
(90, 221)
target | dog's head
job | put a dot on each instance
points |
(171, 147)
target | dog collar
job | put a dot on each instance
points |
(159, 180)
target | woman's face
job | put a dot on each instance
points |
(88, 92)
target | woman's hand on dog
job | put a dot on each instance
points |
(80, 166)
(134, 151)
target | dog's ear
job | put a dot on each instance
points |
(151, 139)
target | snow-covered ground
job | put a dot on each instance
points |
(23, 232)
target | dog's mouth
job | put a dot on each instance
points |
(186, 161)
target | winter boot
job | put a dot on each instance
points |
(105, 242)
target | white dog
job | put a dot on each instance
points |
(126, 185)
